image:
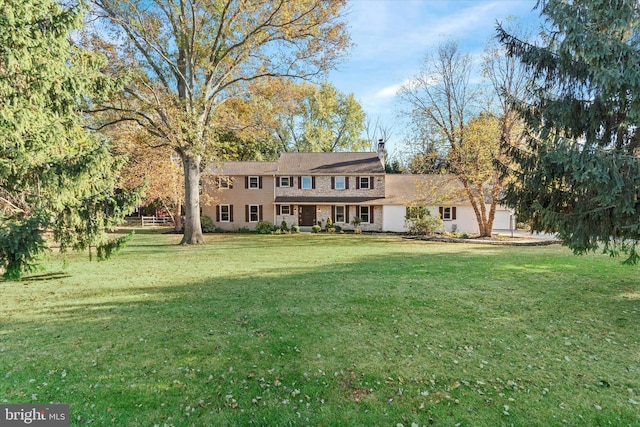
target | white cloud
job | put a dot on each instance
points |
(389, 91)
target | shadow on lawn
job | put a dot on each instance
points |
(111, 339)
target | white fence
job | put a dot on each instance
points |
(154, 221)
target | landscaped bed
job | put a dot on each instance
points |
(326, 329)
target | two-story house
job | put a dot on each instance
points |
(306, 189)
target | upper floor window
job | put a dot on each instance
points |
(365, 182)
(224, 182)
(306, 183)
(253, 182)
(285, 181)
(339, 183)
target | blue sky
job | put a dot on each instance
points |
(391, 38)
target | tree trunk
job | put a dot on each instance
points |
(192, 226)
(177, 215)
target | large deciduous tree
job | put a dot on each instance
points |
(323, 119)
(455, 132)
(578, 174)
(55, 176)
(189, 59)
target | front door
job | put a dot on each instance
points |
(306, 216)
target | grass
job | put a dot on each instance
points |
(327, 330)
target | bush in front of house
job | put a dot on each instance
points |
(295, 228)
(329, 227)
(284, 227)
(265, 227)
(419, 220)
(207, 224)
(316, 228)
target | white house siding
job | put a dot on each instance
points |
(465, 222)
(393, 218)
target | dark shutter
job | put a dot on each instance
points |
(277, 209)
(277, 181)
(246, 213)
(346, 183)
(453, 212)
(291, 181)
(371, 214)
(299, 182)
(357, 182)
(230, 213)
(441, 212)
(259, 182)
(260, 213)
(333, 182)
(230, 181)
(346, 214)
(217, 213)
(290, 209)
(333, 213)
(313, 182)
(371, 183)
(246, 182)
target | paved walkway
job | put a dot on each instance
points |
(526, 234)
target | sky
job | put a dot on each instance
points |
(392, 37)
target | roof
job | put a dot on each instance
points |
(242, 168)
(329, 163)
(404, 189)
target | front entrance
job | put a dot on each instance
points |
(306, 216)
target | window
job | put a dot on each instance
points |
(340, 214)
(363, 182)
(365, 214)
(285, 181)
(285, 210)
(254, 182)
(306, 183)
(224, 182)
(225, 213)
(447, 213)
(339, 183)
(254, 213)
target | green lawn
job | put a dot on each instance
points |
(333, 330)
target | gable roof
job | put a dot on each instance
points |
(404, 189)
(329, 163)
(242, 168)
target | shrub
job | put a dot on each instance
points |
(265, 227)
(420, 221)
(244, 230)
(207, 224)
(460, 235)
(356, 222)
(295, 228)
(337, 228)
(284, 226)
(316, 229)
(278, 231)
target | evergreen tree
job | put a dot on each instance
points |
(578, 173)
(55, 177)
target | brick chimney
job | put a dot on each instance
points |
(381, 150)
